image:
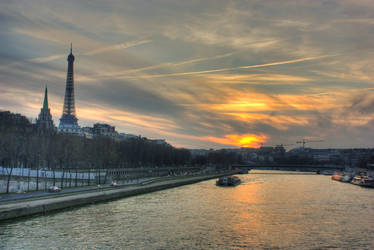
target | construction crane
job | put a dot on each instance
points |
(304, 141)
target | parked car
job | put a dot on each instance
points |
(114, 184)
(54, 189)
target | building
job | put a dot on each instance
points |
(107, 130)
(158, 141)
(124, 136)
(87, 132)
(103, 129)
(44, 123)
(69, 120)
(200, 152)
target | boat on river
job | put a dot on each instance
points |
(228, 181)
(368, 181)
(337, 176)
(364, 181)
(356, 180)
(343, 177)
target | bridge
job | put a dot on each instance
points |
(288, 167)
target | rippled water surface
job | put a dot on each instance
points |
(265, 211)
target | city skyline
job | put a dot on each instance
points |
(197, 74)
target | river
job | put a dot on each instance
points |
(276, 210)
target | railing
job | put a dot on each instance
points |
(71, 173)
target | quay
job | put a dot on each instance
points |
(42, 206)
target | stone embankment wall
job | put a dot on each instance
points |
(27, 208)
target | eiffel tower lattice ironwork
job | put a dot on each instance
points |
(69, 121)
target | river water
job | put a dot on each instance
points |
(265, 211)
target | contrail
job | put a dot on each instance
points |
(228, 69)
(282, 62)
(162, 65)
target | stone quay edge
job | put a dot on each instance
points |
(43, 206)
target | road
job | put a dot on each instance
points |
(14, 197)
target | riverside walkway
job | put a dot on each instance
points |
(42, 205)
(4, 198)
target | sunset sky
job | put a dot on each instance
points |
(200, 74)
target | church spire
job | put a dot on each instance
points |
(45, 103)
(71, 48)
(44, 123)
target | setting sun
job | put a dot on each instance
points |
(246, 140)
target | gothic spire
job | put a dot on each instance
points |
(44, 123)
(45, 103)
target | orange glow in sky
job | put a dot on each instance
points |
(245, 140)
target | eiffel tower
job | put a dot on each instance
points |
(68, 120)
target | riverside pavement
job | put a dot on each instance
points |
(6, 198)
(20, 208)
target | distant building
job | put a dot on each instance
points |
(200, 152)
(327, 156)
(159, 141)
(103, 129)
(69, 121)
(124, 136)
(107, 130)
(249, 155)
(44, 123)
(87, 132)
(265, 150)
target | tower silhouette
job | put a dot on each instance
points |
(68, 120)
(44, 122)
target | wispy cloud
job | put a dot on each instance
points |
(120, 46)
(227, 69)
(281, 122)
(47, 58)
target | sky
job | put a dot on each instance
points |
(200, 74)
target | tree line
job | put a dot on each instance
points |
(22, 145)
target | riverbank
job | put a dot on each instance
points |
(43, 206)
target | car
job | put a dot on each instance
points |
(54, 189)
(114, 184)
